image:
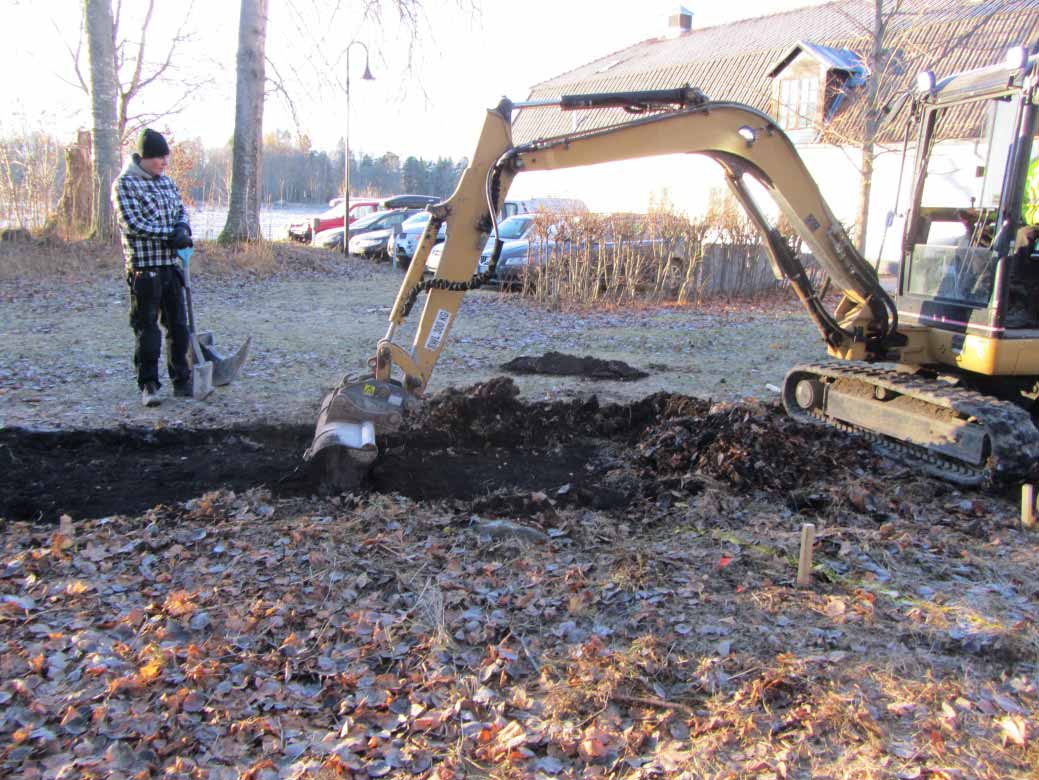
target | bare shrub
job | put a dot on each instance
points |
(257, 258)
(581, 260)
(187, 168)
(30, 165)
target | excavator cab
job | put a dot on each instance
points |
(970, 271)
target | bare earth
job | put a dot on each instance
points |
(534, 583)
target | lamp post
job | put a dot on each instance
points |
(346, 143)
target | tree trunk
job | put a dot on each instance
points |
(73, 215)
(877, 63)
(101, 51)
(243, 215)
(865, 187)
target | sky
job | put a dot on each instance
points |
(468, 55)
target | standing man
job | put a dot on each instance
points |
(154, 225)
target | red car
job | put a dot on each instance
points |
(359, 207)
(333, 218)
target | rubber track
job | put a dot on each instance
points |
(1012, 433)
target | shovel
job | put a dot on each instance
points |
(209, 368)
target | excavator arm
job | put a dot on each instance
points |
(742, 140)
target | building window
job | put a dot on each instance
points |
(798, 103)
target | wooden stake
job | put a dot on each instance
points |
(1028, 505)
(804, 563)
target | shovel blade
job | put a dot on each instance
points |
(201, 380)
(225, 367)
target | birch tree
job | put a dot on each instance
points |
(320, 24)
(891, 42)
(135, 70)
(243, 214)
(101, 54)
(879, 57)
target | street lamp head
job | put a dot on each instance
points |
(367, 72)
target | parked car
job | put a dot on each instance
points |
(359, 208)
(512, 231)
(372, 245)
(402, 246)
(516, 254)
(525, 254)
(379, 221)
(433, 260)
(517, 258)
(333, 218)
(406, 241)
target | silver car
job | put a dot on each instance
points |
(406, 242)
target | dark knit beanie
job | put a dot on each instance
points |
(152, 144)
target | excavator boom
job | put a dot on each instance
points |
(742, 140)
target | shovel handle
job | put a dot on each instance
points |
(191, 312)
(185, 258)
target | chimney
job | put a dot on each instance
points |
(679, 23)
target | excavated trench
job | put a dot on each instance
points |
(481, 446)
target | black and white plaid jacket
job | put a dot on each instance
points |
(147, 208)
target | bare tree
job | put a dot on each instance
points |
(892, 41)
(324, 52)
(879, 57)
(243, 214)
(134, 72)
(101, 52)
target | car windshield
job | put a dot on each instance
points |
(371, 219)
(393, 218)
(514, 227)
(416, 221)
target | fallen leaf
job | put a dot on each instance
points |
(78, 587)
(1015, 729)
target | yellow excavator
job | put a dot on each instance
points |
(942, 375)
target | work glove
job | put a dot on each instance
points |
(181, 238)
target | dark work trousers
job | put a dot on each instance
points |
(157, 294)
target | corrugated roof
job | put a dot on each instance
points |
(732, 61)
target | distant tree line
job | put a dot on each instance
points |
(294, 172)
(33, 169)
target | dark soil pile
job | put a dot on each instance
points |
(560, 364)
(478, 444)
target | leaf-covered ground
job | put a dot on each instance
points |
(538, 586)
(607, 592)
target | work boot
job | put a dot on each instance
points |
(150, 394)
(182, 391)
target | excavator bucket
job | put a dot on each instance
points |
(344, 449)
(225, 367)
